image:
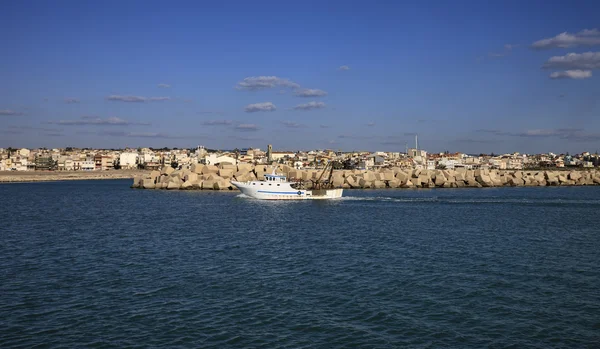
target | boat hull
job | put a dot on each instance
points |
(265, 193)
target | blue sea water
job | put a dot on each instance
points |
(97, 264)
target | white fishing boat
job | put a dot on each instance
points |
(277, 187)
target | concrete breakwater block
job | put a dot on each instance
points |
(208, 177)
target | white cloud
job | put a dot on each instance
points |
(310, 106)
(256, 107)
(292, 124)
(34, 128)
(507, 50)
(585, 61)
(10, 112)
(217, 123)
(136, 99)
(573, 134)
(164, 85)
(246, 127)
(71, 100)
(344, 67)
(94, 120)
(141, 135)
(587, 37)
(571, 74)
(540, 133)
(371, 124)
(253, 83)
(308, 92)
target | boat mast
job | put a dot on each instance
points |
(317, 184)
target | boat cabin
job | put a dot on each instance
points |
(274, 178)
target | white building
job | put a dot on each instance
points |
(20, 165)
(431, 164)
(88, 165)
(128, 160)
(24, 152)
(149, 157)
(449, 164)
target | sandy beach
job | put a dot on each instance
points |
(46, 176)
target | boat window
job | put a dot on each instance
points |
(277, 184)
(262, 184)
(269, 183)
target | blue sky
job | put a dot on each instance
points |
(467, 76)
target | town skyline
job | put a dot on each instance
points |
(284, 150)
(476, 78)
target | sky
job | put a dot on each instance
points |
(468, 76)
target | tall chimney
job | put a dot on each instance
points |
(416, 141)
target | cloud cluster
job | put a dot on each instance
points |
(258, 107)
(246, 127)
(292, 124)
(573, 134)
(586, 37)
(33, 128)
(217, 123)
(97, 121)
(571, 74)
(587, 60)
(164, 85)
(236, 126)
(71, 100)
(136, 99)
(141, 135)
(254, 83)
(10, 112)
(308, 92)
(572, 65)
(344, 67)
(310, 106)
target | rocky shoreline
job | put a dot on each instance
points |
(206, 177)
(52, 176)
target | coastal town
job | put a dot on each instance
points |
(75, 159)
(211, 169)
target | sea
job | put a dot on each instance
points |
(96, 264)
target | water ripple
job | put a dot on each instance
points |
(95, 264)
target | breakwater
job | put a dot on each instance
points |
(207, 177)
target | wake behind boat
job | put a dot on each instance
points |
(277, 187)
